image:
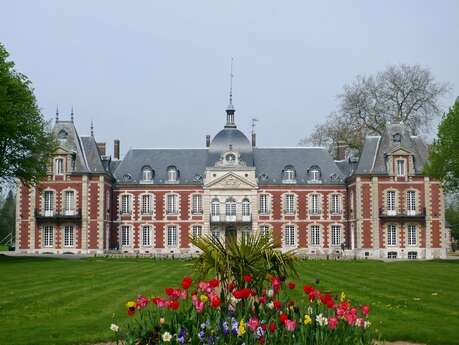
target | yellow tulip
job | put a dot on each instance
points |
(130, 304)
(307, 319)
(204, 298)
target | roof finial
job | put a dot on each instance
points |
(57, 113)
(230, 109)
(231, 83)
(92, 129)
(71, 114)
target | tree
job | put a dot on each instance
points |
(400, 93)
(26, 144)
(443, 161)
(7, 215)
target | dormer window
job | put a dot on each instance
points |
(172, 174)
(62, 136)
(400, 167)
(147, 174)
(230, 158)
(396, 138)
(289, 174)
(127, 178)
(59, 166)
(314, 174)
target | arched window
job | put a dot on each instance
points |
(314, 174)
(147, 173)
(215, 207)
(172, 174)
(230, 207)
(396, 138)
(289, 174)
(245, 207)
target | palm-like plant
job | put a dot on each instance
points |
(257, 256)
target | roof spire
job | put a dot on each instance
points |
(57, 113)
(230, 109)
(92, 129)
(71, 114)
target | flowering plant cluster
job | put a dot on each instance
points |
(215, 312)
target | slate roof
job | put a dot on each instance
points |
(92, 155)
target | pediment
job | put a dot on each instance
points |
(400, 151)
(231, 181)
(62, 151)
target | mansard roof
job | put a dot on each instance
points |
(92, 155)
(376, 149)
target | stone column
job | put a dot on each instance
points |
(84, 215)
(101, 214)
(375, 213)
(427, 202)
(32, 222)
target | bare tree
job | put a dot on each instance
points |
(400, 93)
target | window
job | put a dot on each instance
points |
(411, 202)
(314, 205)
(62, 136)
(335, 207)
(230, 207)
(289, 203)
(245, 235)
(391, 202)
(196, 231)
(48, 200)
(48, 236)
(171, 207)
(412, 235)
(59, 166)
(314, 174)
(146, 207)
(215, 234)
(147, 174)
(125, 235)
(315, 235)
(264, 230)
(125, 203)
(230, 158)
(289, 235)
(397, 138)
(215, 207)
(392, 255)
(146, 235)
(400, 167)
(172, 174)
(69, 202)
(246, 207)
(263, 204)
(289, 174)
(68, 236)
(391, 235)
(172, 236)
(196, 204)
(412, 255)
(336, 235)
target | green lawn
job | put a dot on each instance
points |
(3, 248)
(53, 301)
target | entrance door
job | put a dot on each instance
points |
(230, 233)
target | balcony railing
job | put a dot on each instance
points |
(402, 214)
(224, 218)
(58, 215)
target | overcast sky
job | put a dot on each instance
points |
(156, 74)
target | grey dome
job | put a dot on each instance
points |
(230, 136)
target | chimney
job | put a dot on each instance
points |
(254, 139)
(340, 150)
(101, 147)
(116, 149)
(207, 140)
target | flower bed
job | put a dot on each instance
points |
(215, 312)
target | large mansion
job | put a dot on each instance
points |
(375, 205)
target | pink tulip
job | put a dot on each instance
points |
(365, 309)
(253, 323)
(290, 325)
(332, 322)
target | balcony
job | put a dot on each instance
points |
(403, 215)
(223, 218)
(58, 216)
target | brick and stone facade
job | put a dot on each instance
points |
(375, 205)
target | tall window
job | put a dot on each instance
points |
(264, 230)
(246, 207)
(245, 235)
(172, 174)
(48, 200)
(336, 235)
(146, 207)
(289, 203)
(125, 203)
(400, 167)
(196, 204)
(314, 206)
(147, 174)
(196, 231)
(69, 202)
(125, 235)
(59, 166)
(335, 207)
(391, 235)
(315, 235)
(263, 204)
(289, 236)
(230, 207)
(215, 233)
(412, 235)
(391, 201)
(171, 207)
(215, 207)
(289, 174)
(172, 236)
(314, 174)
(68, 236)
(48, 236)
(146, 235)
(411, 201)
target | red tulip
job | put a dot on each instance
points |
(277, 304)
(272, 327)
(248, 278)
(186, 282)
(365, 309)
(174, 305)
(169, 291)
(214, 283)
(215, 301)
(308, 289)
(291, 285)
(283, 317)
